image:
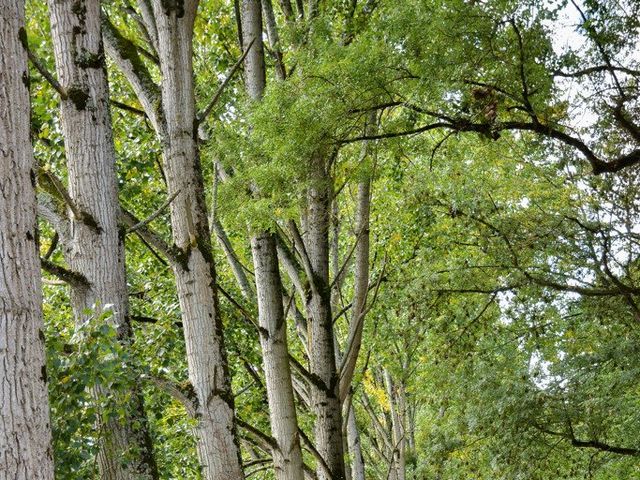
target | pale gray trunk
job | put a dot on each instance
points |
(96, 248)
(287, 455)
(216, 444)
(25, 433)
(355, 447)
(361, 274)
(325, 398)
(397, 423)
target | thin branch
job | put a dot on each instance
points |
(591, 443)
(128, 108)
(202, 116)
(245, 313)
(258, 433)
(48, 76)
(302, 252)
(154, 215)
(312, 449)
(54, 187)
(596, 69)
(171, 253)
(52, 246)
(173, 390)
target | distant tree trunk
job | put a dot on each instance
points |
(25, 433)
(396, 402)
(96, 248)
(216, 444)
(287, 456)
(325, 398)
(355, 447)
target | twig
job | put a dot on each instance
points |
(201, 117)
(154, 215)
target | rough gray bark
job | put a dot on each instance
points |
(355, 447)
(96, 248)
(287, 454)
(195, 275)
(325, 398)
(25, 433)
(170, 27)
(287, 457)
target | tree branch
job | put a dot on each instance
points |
(154, 215)
(590, 443)
(187, 399)
(74, 279)
(202, 116)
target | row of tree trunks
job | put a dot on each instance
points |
(287, 454)
(25, 433)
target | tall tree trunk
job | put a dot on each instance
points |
(325, 398)
(287, 455)
(25, 433)
(216, 444)
(397, 423)
(96, 247)
(355, 447)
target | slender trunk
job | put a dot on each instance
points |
(287, 456)
(398, 430)
(217, 445)
(96, 247)
(355, 447)
(361, 288)
(25, 433)
(325, 398)
(361, 274)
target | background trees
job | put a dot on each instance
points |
(459, 289)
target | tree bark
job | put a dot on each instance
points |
(217, 446)
(355, 447)
(25, 432)
(398, 428)
(325, 398)
(287, 455)
(96, 247)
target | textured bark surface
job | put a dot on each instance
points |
(25, 434)
(96, 248)
(287, 455)
(325, 398)
(195, 275)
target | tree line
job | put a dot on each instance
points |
(319, 239)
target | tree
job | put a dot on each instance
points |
(287, 455)
(91, 237)
(171, 110)
(25, 431)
